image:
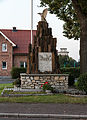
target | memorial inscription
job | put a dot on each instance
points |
(45, 61)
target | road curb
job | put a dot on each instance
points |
(60, 116)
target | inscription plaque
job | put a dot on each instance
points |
(45, 61)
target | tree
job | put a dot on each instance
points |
(66, 61)
(74, 14)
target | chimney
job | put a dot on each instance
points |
(14, 29)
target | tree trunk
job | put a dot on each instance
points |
(83, 36)
(83, 46)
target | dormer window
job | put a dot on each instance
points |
(4, 47)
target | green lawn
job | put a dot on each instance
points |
(58, 98)
(2, 86)
(16, 92)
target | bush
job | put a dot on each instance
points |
(73, 73)
(82, 82)
(17, 83)
(15, 73)
(47, 86)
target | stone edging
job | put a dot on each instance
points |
(60, 116)
(68, 92)
(23, 74)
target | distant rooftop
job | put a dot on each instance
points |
(63, 51)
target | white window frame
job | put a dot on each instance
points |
(3, 46)
(2, 65)
(24, 64)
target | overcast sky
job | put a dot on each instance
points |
(18, 13)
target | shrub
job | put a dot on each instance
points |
(82, 82)
(73, 73)
(46, 86)
(15, 72)
(17, 82)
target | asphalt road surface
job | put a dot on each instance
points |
(37, 119)
(5, 81)
(28, 119)
(43, 108)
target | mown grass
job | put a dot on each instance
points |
(18, 92)
(59, 98)
(2, 86)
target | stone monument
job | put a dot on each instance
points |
(43, 57)
(43, 62)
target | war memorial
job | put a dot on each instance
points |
(43, 62)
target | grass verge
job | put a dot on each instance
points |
(59, 98)
(16, 92)
(2, 86)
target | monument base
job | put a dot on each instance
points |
(34, 81)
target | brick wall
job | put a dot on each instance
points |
(18, 59)
(5, 57)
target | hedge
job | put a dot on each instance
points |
(15, 72)
(82, 82)
(73, 73)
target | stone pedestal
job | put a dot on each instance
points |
(34, 81)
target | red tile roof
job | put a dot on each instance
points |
(21, 38)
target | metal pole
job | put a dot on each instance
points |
(31, 21)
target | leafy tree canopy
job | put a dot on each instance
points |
(66, 61)
(64, 10)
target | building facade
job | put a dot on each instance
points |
(13, 49)
(63, 52)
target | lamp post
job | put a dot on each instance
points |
(31, 21)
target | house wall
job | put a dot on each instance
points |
(5, 57)
(18, 59)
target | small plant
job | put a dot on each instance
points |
(46, 86)
(82, 82)
(17, 82)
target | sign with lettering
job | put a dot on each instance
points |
(45, 61)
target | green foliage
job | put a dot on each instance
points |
(17, 82)
(82, 82)
(2, 86)
(73, 73)
(15, 72)
(46, 86)
(65, 11)
(66, 61)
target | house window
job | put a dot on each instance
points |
(4, 47)
(23, 64)
(4, 65)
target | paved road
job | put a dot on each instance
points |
(28, 119)
(38, 108)
(38, 119)
(5, 81)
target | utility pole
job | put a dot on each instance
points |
(31, 21)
